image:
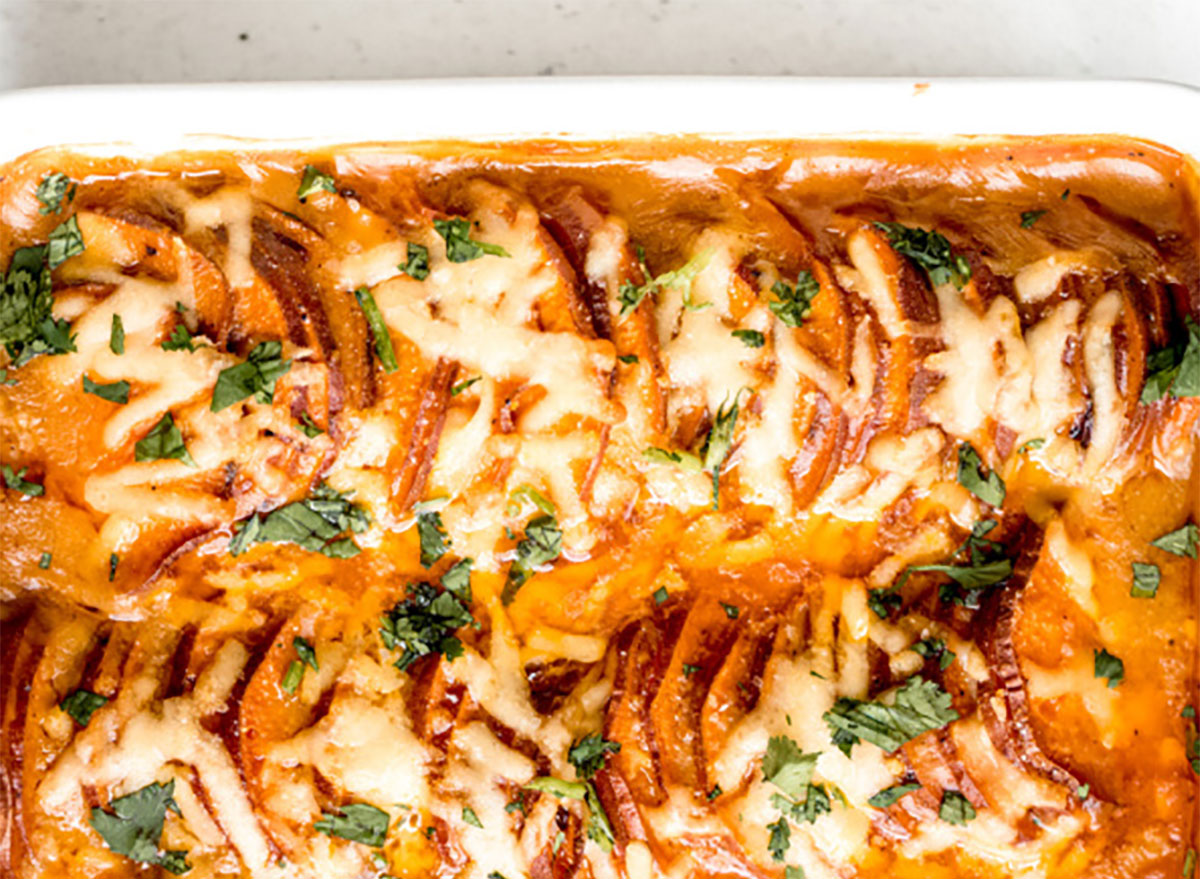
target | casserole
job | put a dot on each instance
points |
(607, 505)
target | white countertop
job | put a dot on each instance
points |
(45, 42)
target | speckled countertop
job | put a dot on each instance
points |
(76, 41)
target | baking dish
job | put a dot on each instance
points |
(712, 646)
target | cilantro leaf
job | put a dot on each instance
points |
(541, 545)
(460, 246)
(65, 242)
(786, 767)
(525, 491)
(313, 181)
(1028, 218)
(163, 441)
(82, 704)
(628, 359)
(793, 304)
(989, 488)
(308, 427)
(661, 595)
(1183, 541)
(315, 523)
(17, 482)
(780, 838)
(1146, 578)
(417, 265)
(116, 392)
(116, 335)
(955, 808)
(463, 385)
(434, 541)
(292, 677)
(589, 754)
(255, 375)
(26, 297)
(883, 601)
(134, 826)
(379, 329)
(750, 338)
(934, 648)
(598, 828)
(457, 580)
(685, 460)
(919, 706)
(469, 817)
(45, 560)
(1174, 371)
(424, 623)
(630, 295)
(719, 443)
(1106, 665)
(889, 796)
(357, 822)
(52, 190)
(306, 653)
(731, 610)
(931, 251)
(790, 872)
(179, 340)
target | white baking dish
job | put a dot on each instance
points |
(141, 119)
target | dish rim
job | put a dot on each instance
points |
(95, 119)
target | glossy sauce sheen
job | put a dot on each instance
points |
(688, 634)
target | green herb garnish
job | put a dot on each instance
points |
(460, 246)
(357, 822)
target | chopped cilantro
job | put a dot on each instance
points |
(919, 706)
(955, 808)
(689, 670)
(308, 427)
(630, 295)
(1145, 580)
(889, 796)
(313, 181)
(425, 623)
(793, 304)
(731, 610)
(1106, 665)
(357, 822)
(417, 265)
(1083, 791)
(460, 246)
(117, 392)
(1031, 445)
(295, 672)
(27, 327)
(179, 340)
(469, 817)
(1174, 371)
(714, 793)
(457, 580)
(685, 460)
(116, 335)
(660, 595)
(313, 523)
(463, 385)
(750, 338)
(787, 767)
(255, 375)
(934, 648)
(82, 704)
(1028, 218)
(628, 358)
(1183, 541)
(541, 545)
(589, 754)
(598, 828)
(65, 242)
(379, 329)
(163, 441)
(883, 601)
(434, 541)
(525, 491)
(17, 482)
(52, 190)
(719, 443)
(931, 251)
(45, 560)
(113, 561)
(780, 838)
(134, 826)
(989, 488)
